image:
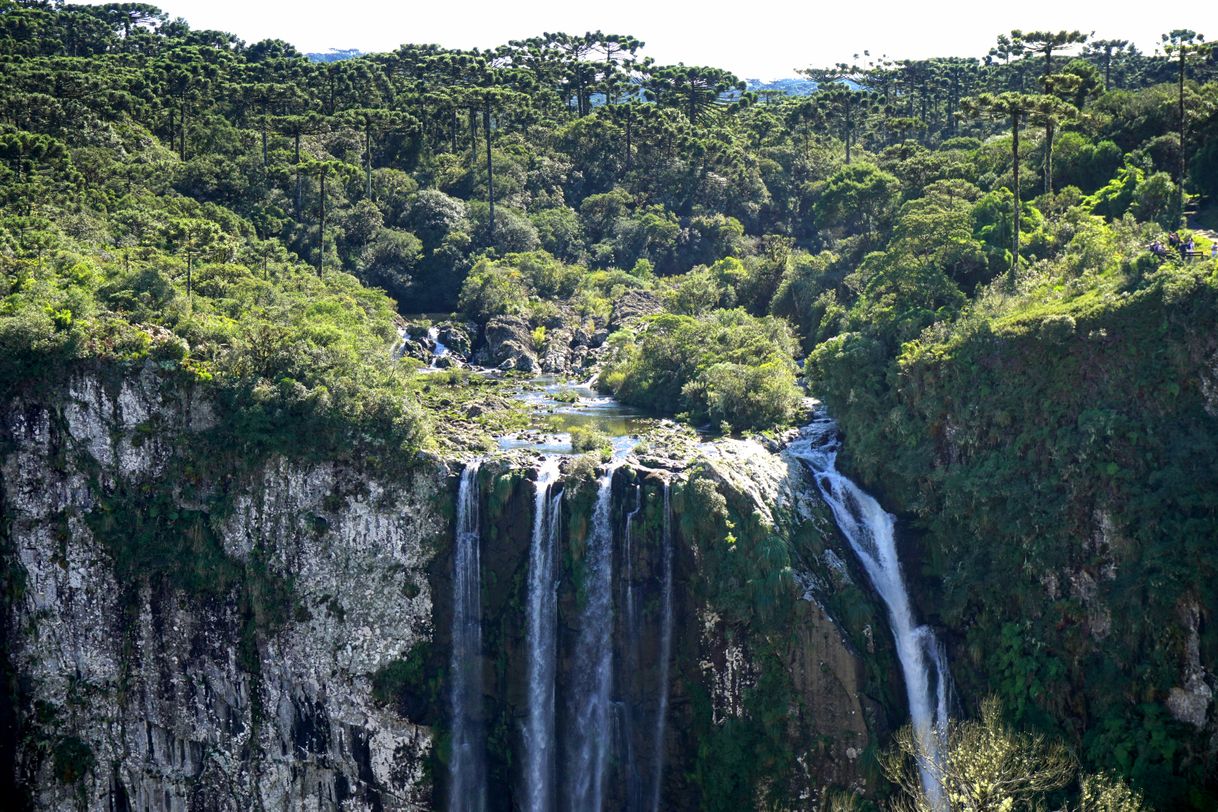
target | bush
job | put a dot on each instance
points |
(723, 366)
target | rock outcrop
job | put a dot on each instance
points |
(138, 692)
(509, 345)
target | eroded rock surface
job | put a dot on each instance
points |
(215, 697)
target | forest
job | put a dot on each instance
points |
(999, 274)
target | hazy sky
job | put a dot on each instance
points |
(759, 39)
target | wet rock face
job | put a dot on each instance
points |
(833, 713)
(144, 695)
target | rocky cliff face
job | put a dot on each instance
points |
(136, 693)
(275, 633)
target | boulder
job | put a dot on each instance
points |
(509, 345)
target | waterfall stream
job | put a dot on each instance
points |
(542, 623)
(440, 350)
(869, 531)
(590, 735)
(467, 765)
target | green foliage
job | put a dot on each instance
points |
(1094, 417)
(72, 759)
(858, 199)
(742, 763)
(507, 286)
(725, 365)
(162, 187)
(399, 676)
(588, 438)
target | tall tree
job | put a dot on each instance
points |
(695, 90)
(617, 50)
(1104, 51)
(298, 126)
(188, 74)
(847, 106)
(1014, 108)
(1051, 111)
(1045, 43)
(372, 122)
(323, 170)
(1182, 45)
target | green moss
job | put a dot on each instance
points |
(747, 761)
(72, 759)
(406, 679)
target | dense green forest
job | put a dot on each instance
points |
(997, 273)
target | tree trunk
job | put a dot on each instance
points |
(264, 126)
(490, 170)
(368, 158)
(1018, 201)
(299, 183)
(1049, 133)
(182, 145)
(849, 129)
(609, 76)
(1181, 169)
(473, 138)
(321, 228)
(629, 121)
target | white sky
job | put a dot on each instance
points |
(763, 39)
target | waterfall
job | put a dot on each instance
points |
(869, 530)
(588, 756)
(542, 630)
(467, 766)
(665, 653)
(440, 350)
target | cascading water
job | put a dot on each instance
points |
(440, 350)
(665, 653)
(467, 765)
(542, 620)
(588, 756)
(869, 530)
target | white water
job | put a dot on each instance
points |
(869, 530)
(665, 655)
(591, 735)
(467, 766)
(440, 350)
(399, 349)
(542, 620)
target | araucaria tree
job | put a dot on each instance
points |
(1014, 108)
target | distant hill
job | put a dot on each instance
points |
(335, 55)
(795, 87)
(792, 87)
